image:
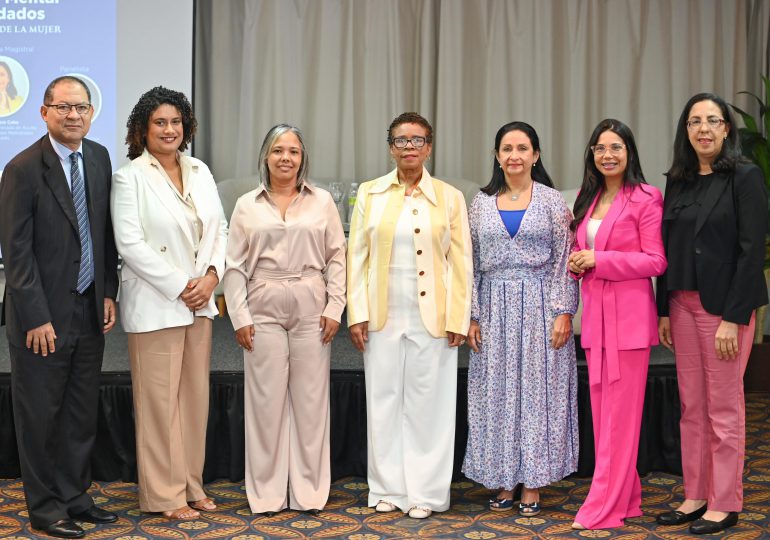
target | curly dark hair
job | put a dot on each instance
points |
(138, 120)
(410, 118)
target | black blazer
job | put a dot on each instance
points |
(730, 231)
(40, 241)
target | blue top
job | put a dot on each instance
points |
(512, 220)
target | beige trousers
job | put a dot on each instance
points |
(286, 386)
(170, 380)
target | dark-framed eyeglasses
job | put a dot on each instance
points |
(614, 148)
(401, 142)
(64, 108)
(713, 121)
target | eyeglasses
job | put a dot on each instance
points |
(712, 121)
(615, 149)
(64, 108)
(401, 142)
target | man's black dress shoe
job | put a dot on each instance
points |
(313, 511)
(95, 515)
(705, 526)
(675, 517)
(64, 528)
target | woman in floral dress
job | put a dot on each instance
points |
(522, 380)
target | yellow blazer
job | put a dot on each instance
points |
(443, 247)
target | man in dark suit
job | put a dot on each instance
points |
(61, 281)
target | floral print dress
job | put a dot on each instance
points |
(522, 393)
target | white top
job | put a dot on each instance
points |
(403, 256)
(591, 229)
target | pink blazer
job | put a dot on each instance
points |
(628, 250)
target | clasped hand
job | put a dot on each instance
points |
(580, 261)
(198, 291)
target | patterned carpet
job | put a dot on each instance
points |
(347, 516)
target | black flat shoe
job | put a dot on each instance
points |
(95, 515)
(675, 517)
(64, 528)
(705, 526)
(313, 511)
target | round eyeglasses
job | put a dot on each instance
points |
(614, 148)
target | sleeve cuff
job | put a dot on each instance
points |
(333, 311)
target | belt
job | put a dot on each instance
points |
(284, 275)
(605, 310)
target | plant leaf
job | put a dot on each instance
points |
(759, 101)
(748, 120)
(766, 83)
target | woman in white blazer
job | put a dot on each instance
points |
(171, 232)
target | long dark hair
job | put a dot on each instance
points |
(497, 184)
(593, 179)
(11, 88)
(685, 165)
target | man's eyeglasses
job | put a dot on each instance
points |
(615, 149)
(401, 142)
(64, 108)
(713, 121)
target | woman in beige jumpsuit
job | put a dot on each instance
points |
(285, 290)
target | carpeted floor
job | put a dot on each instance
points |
(347, 516)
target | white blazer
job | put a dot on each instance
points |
(155, 241)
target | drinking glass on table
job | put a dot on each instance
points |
(337, 191)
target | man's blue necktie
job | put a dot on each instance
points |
(86, 273)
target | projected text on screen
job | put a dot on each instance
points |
(44, 39)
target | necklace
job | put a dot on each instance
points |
(516, 196)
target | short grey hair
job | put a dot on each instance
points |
(267, 144)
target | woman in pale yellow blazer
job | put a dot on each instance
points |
(171, 232)
(409, 296)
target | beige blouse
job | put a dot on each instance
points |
(309, 238)
(185, 199)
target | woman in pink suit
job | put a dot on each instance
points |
(619, 249)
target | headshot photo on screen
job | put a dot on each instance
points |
(14, 86)
(96, 93)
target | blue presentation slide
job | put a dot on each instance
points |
(44, 39)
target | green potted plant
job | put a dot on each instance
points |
(756, 147)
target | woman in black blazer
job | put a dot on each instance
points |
(714, 225)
